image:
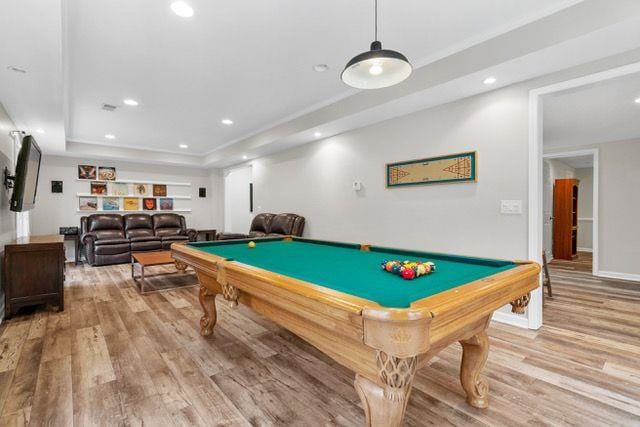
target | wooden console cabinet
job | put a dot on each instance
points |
(33, 272)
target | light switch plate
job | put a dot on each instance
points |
(511, 207)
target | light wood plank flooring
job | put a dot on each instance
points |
(114, 357)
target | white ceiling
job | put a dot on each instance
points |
(578, 162)
(251, 61)
(602, 112)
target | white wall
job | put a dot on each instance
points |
(315, 180)
(585, 208)
(619, 201)
(555, 169)
(236, 200)
(7, 218)
(57, 210)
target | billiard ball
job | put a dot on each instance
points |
(251, 244)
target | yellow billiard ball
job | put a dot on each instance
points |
(251, 244)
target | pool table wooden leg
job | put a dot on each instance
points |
(475, 351)
(210, 316)
(385, 405)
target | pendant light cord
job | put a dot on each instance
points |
(376, 20)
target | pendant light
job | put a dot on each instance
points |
(376, 68)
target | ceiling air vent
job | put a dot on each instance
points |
(108, 107)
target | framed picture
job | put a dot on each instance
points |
(88, 204)
(159, 190)
(131, 204)
(119, 189)
(106, 173)
(110, 203)
(56, 186)
(460, 167)
(86, 172)
(149, 204)
(166, 204)
(98, 188)
(141, 189)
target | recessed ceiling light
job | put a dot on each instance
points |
(183, 146)
(40, 130)
(182, 9)
(131, 102)
(244, 157)
(317, 134)
(637, 101)
(320, 68)
(109, 136)
(226, 121)
(490, 80)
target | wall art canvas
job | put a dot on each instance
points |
(88, 204)
(131, 204)
(141, 189)
(149, 204)
(159, 190)
(111, 204)
(460, 167)
(119, 189)
(99, 188)
(86, 172)
(166, 204)
(106, 173)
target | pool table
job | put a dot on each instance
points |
(337, 297)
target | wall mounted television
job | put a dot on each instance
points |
(25, 184)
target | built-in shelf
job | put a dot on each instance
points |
(138, 181)
(137, 211)
(133, 196)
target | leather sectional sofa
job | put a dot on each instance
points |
(110, 238)
(270, 225)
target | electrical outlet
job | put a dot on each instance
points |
(511, 207)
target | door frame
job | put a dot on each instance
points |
(595, 153)
(535, 244)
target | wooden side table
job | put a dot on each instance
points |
(78, 246)
(209, 234)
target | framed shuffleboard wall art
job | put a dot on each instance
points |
(461, 167)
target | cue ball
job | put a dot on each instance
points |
(251, 244)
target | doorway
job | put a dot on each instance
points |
(570, 201)
(237, 199)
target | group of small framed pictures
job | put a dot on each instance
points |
(102, 173)
(90, 203)
(124, 189)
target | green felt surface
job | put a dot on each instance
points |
(345, 268)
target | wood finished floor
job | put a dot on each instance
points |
(114, 357)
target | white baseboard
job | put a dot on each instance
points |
(585, 249)
(621, 276)
(511, 319)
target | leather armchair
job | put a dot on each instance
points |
(104, 240)
(172, 228)
(270, 225)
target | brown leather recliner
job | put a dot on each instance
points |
(270, 225)
(110, 238)
(139, 230)
(103, 239)
(172, 228)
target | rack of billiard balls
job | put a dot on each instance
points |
(408, 270)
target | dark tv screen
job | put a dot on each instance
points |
(23, 197)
